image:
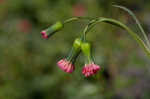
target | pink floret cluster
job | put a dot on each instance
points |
(44, 35)
(90, 69)
(66, 65)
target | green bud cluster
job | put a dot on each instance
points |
(81, 46)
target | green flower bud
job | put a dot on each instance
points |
(57, 26)
(77, 44)
(52, 29)
(86, 48)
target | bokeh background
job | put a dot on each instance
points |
(28, 67)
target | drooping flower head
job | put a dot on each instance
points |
(67, 64)
(90, 67)
(52, 29)
(44, 35)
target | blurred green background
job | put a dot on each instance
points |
(28, 67)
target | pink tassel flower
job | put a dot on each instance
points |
(66, 65)
(90, 69)
(52, 30)
(44, 35)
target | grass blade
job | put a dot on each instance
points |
(137, 22)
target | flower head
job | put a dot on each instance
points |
(52, 29)
(66, 65)
(90, 69)
(44, 35)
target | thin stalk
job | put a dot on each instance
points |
(86, 29)
(76, 19)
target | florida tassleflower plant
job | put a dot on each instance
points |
(81, 45)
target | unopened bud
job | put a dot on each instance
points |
(52, 29)
(86, 48)
(77, 44)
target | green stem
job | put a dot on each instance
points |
(86, 29)
(77, 18)
(121, 25)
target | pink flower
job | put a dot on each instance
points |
(44, 35)
(52, 30)
(90, 69)
(66, 65)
